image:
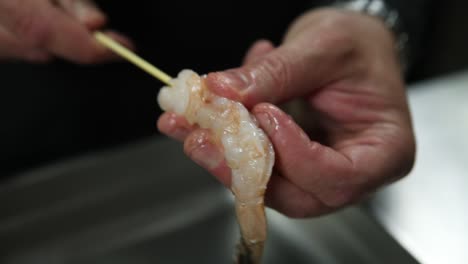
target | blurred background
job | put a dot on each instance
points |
(86, 178)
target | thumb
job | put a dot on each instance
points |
(292, 70)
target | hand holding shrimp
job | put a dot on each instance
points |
(345, 68)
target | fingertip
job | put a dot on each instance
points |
(174, 126)
(271, 118)
(239, 84)
(280, 126)
(201, 147)
(165, 122)
(267, 108)
(298, 159)
(224, 84)
(315, 167)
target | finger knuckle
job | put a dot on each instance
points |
(277, 67)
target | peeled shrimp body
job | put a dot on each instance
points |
(247, 151)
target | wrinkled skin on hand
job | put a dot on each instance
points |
(344, 67)
(38, 30)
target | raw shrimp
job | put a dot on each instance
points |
(247, 151)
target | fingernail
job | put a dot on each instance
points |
(229, 83)
(236, 79)
(86, 12)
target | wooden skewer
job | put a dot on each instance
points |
(132, 57)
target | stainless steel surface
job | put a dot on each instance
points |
(146, 203)
(428, 211)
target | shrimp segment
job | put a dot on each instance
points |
(247, 151)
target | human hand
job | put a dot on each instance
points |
(37, 30)
(345, 67)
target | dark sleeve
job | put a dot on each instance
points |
(414, 15)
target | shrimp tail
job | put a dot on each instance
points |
(249, 254)
(252, 221)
